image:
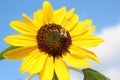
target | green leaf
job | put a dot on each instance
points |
(7, 49)
(90, 74)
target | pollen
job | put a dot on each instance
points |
(53, 39)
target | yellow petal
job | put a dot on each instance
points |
(23, 28)
(21, 40)
(83, 53)
(28, 20)
(29, 60)
(19, 53)
(70, 13)
(38, 18)
(38, 66)
(72, 22)
(76, 30)
(59, 15)
(75, 61)
(75, 18)
(68, 16)
(48, 71)
(87, 41)
(90, 31)
(47, 12)
(81, 28)
(61, 69)
(32, 60)
(87, 24)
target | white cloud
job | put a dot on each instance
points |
(109, 52)
(74, 75)
(110, 49)
(113, 74)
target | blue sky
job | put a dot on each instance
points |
(104, 13)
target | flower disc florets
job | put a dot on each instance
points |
(53, 39)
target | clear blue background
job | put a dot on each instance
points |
(102, 12)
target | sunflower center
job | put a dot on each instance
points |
(54, 36)
(53, 39)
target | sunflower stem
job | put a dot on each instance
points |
(29, 77)
(55, 77)
(76, 69)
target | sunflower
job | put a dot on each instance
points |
(52, 40)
